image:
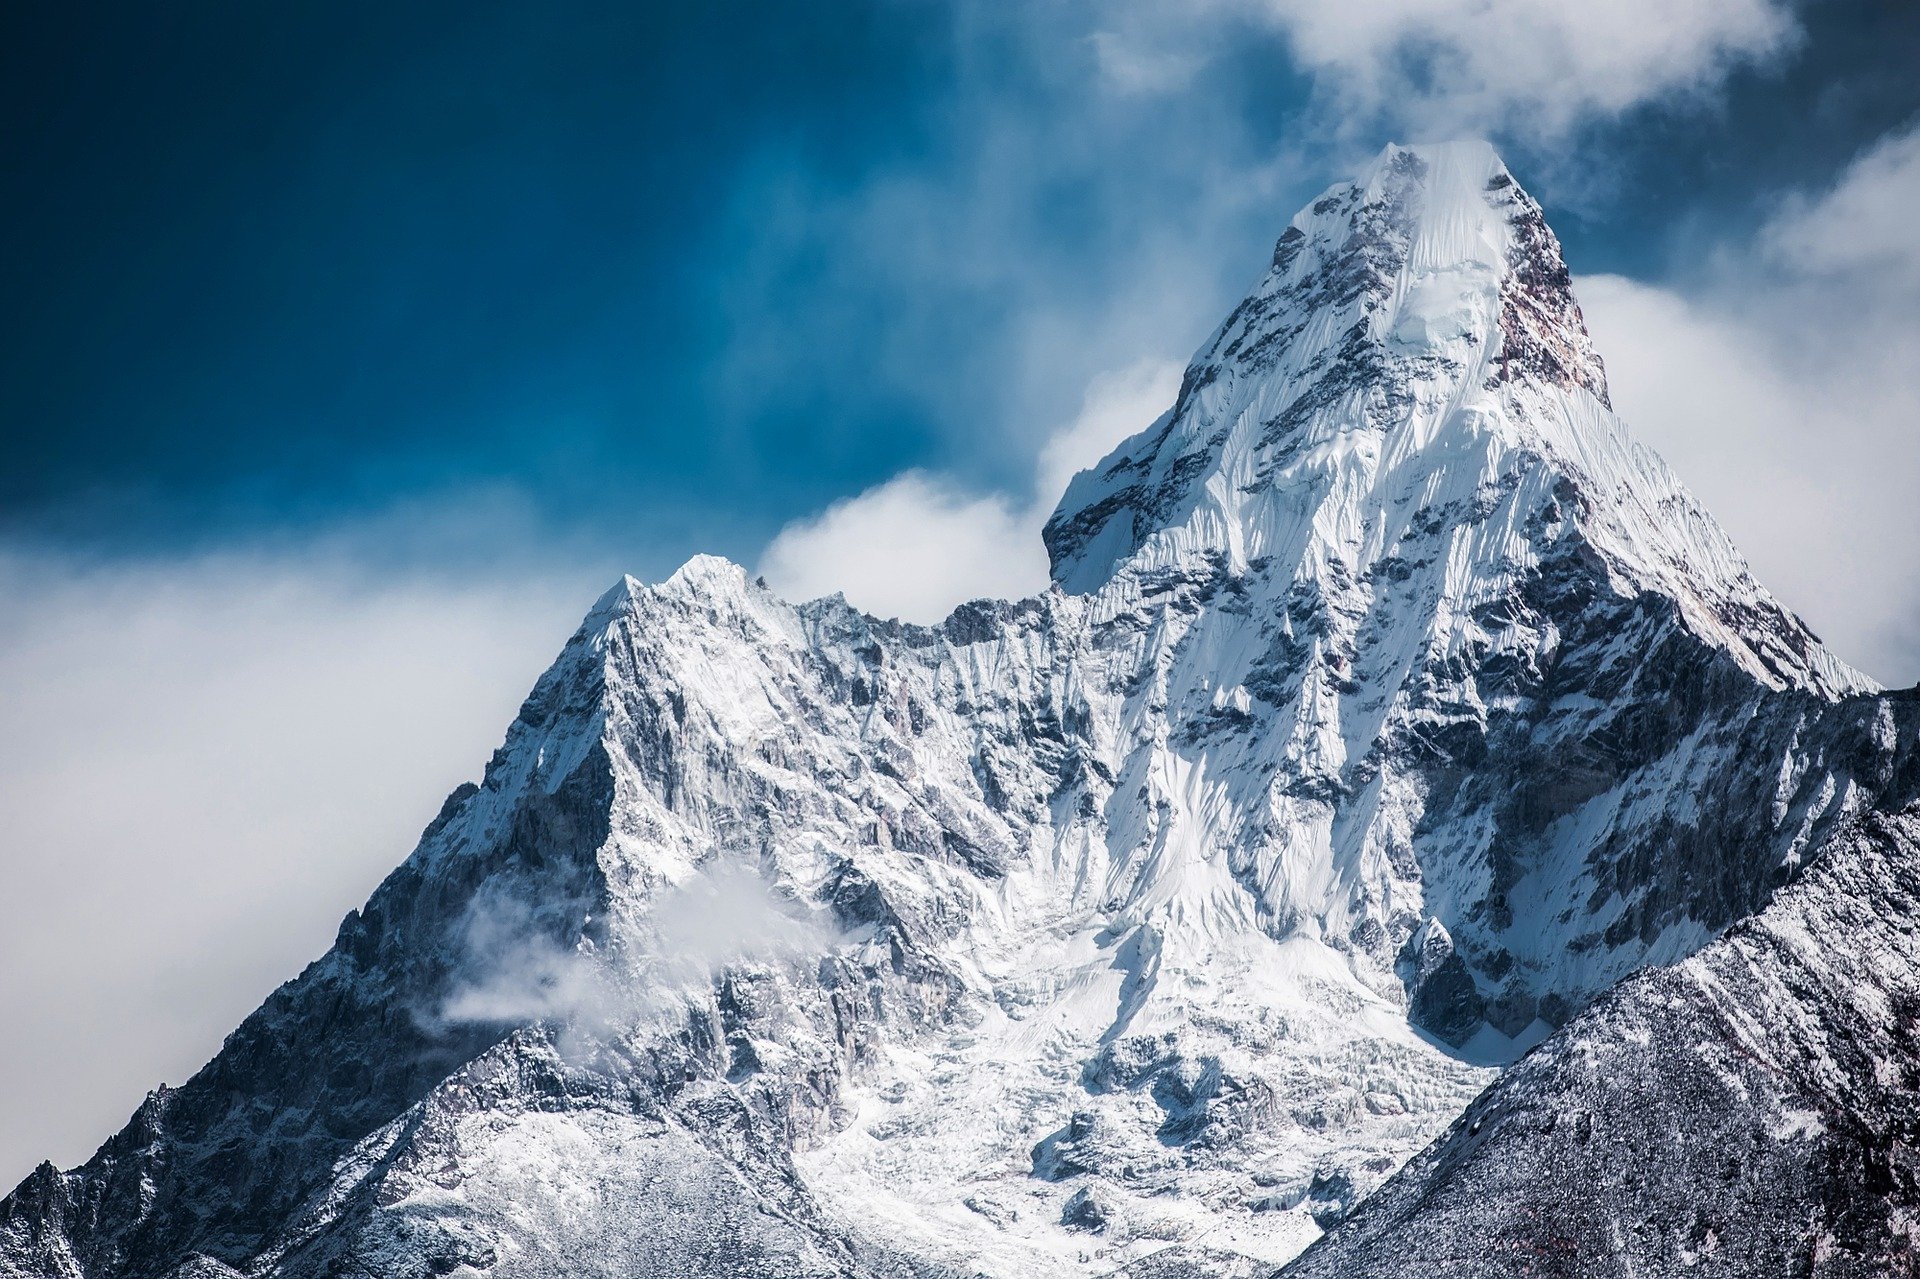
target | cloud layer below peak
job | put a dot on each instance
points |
(919, 544)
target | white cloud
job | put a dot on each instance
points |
(517, 972)
(1531, 67)
(1540, 65)
(204, 762)
(918, 545)
(724, 915)
(1782, 391)
(1563, 53)
(720, 918)
(1116, 404)
(910, 548)
(1863, 227)
(1133, 67)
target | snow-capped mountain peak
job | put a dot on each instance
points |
(1391, 703)
(1415, 353)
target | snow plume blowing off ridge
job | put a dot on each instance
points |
(519, 970)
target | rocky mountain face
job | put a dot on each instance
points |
(1390, 705)
(1754, 1110)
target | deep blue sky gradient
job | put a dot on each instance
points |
(270, 266)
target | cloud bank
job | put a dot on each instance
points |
(917, 545)
(205, 761)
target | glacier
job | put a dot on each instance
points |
(1391, 706)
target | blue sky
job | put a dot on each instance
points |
(351, 349)
(666, 277)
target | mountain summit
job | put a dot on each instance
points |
(1415, 338)
(1390, 705)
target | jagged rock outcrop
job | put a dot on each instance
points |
(1390, 705)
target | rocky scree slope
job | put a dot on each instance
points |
(1390, 704)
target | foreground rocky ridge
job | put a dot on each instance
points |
(1391, 704)
(1750, 1111)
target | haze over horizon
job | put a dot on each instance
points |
(353, 353)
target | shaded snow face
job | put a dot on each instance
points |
(1391, 703)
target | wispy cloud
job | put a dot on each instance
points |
(517, 971)
(1139, 66)
(1535, 69)
(1859, 231)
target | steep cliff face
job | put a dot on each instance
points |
(1391, 703)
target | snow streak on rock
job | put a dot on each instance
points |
(1390, 705)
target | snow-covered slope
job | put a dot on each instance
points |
(1390, 704)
